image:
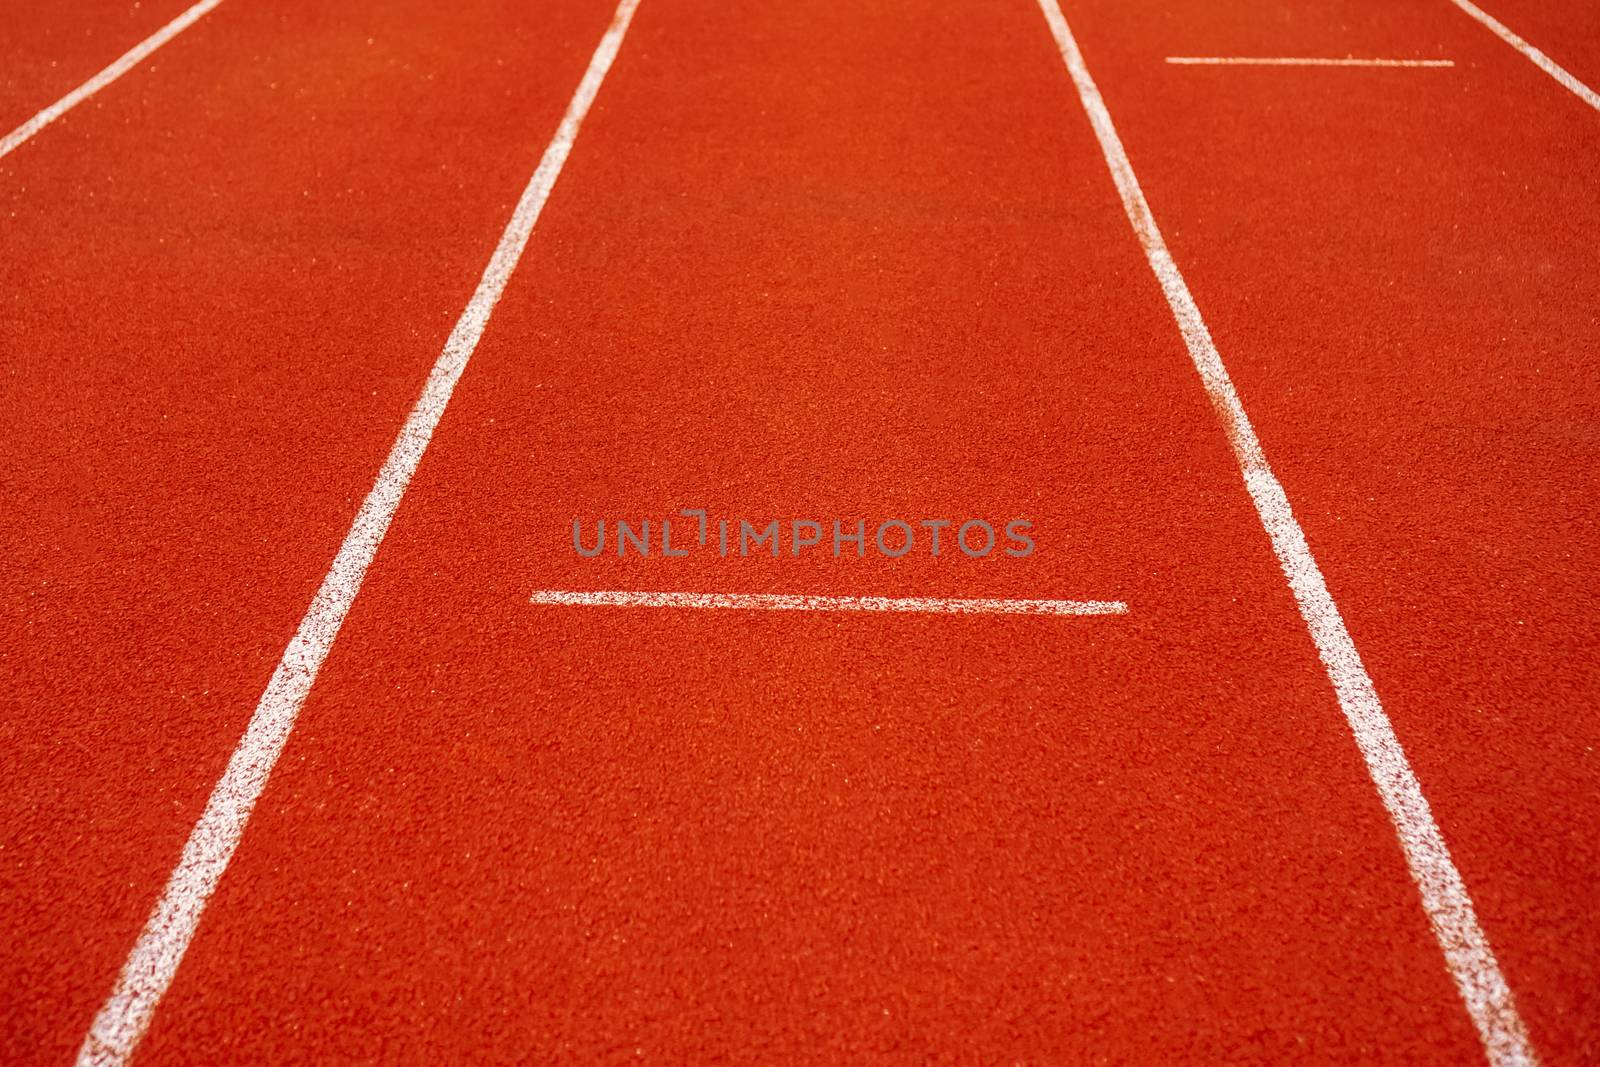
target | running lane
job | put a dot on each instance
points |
(824, 261)
(1399, 265)
(220, 291)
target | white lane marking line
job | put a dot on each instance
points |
(1444, 896)
(1307, 61)
(166, 936)
(1540, 60)
(128, 60)
(800, 602)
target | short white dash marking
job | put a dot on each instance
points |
(149, 969)
(1539, 59)
(126, 62)
(1299, 61)
(1444, 896)
(800, 602)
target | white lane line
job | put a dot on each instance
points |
(128, 60)
(166, 936)
(1444, 896)
(1299, 61)
(1540, 60)
(798, 602)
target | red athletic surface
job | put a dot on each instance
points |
(1566, 32)
(50, 50)
(806, 260)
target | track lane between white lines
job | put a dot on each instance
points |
(150, 967)
(124, 63)
(1449, 908)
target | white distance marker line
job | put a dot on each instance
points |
(149, 969)
(1308, 61)
(1540, 60)
(1444, 896)
(129, 59)
(789, 602)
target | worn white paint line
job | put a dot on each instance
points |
(126, 62)
(1539, 59)
(166, 936)
(801, 602)
(1301, 61)
(1444, 896)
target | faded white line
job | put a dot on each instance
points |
(128, 60)
(166, 936)
(1444, 896)
(1297, 61)
(801, 602)
(1539, 59)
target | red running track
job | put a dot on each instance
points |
(803, 261)
(227, 308)
(49, 51)
(1408, 306)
